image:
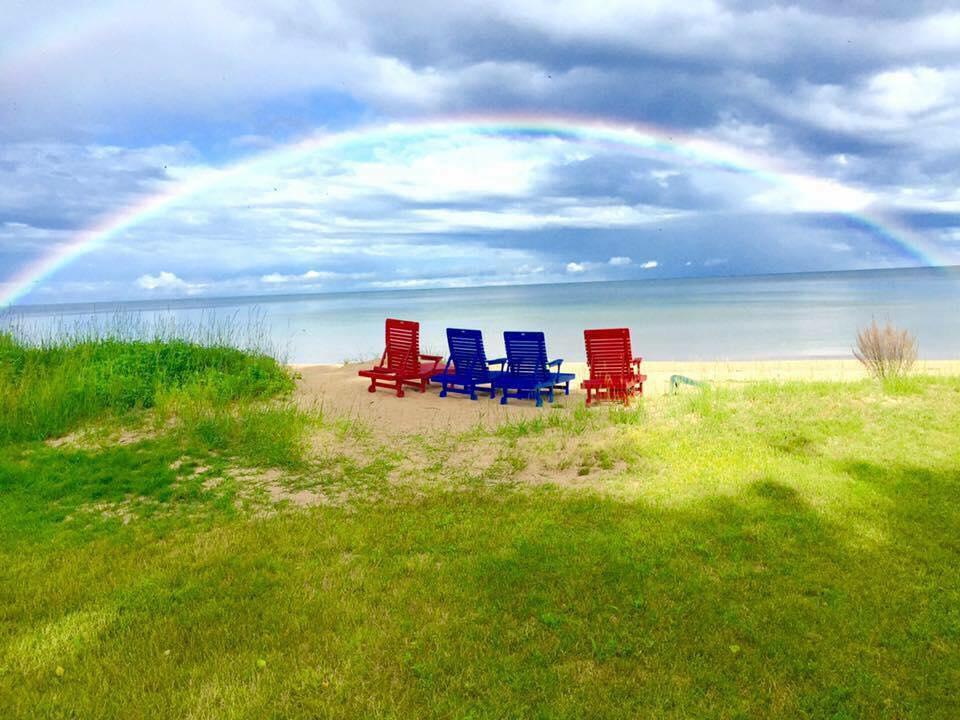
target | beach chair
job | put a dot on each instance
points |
(402, 363)
(529, 374)
(614, 372)
(468, 367)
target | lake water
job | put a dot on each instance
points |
(739, 318)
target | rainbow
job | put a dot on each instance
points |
(635, 138)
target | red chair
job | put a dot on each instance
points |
(401, 363)
(614, 372)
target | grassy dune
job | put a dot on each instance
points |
(177, 539)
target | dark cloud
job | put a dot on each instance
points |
(629, 181)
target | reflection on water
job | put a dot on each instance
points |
(784, 316)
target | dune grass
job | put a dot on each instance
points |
(50, 389)
(776, 550)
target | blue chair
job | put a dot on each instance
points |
(468, 366)
(529, 372)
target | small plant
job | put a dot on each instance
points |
(885, 352)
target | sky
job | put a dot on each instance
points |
(235, 147)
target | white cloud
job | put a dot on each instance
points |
(575, 267)
(620, 260)
(527, 269)
(276, 278)
(649, 264)
(162, 281)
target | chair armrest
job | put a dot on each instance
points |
(437, 359)
(636, 361)
(556, 373)
(498, 361)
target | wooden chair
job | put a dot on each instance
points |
(614, 372)
(402, 363)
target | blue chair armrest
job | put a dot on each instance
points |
(498, 361)
(556, 373)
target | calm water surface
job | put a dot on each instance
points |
(743, 318)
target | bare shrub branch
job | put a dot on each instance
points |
(885, 351)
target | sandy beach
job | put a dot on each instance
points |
(339, 392)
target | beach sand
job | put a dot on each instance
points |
(340, 393)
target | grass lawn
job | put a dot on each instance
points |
(177, 540)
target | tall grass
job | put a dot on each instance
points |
(240, 330)
(50, 384)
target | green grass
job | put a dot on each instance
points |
(779, 550)
(47, 391)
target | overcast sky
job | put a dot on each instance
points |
(837, 108)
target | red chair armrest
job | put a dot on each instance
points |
(436, 359)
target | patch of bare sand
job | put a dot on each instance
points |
(94, 438)
(91, 439)
(280, 489)
(340, 393)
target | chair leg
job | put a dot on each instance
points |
(443, 390)
(566, 388)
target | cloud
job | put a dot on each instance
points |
(845, 110)
(649, 264)
(309, 275)
(163, 281)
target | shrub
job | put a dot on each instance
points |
(885, 352)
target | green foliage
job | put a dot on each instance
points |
(636, 414)
(49, 390)
(259, 435)
(707, 402)
(555, 417)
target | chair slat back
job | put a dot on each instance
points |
(467, 353)
(526, 353)
(402, 345)
(608, 352)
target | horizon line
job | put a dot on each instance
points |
(284, 297)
